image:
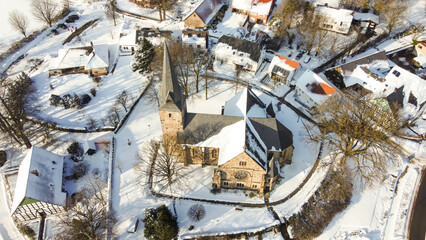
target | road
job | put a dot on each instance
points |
(418, 222)
(8, 230)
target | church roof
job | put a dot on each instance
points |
(170, 92)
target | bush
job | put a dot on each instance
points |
(66, 101)
(79, 171)
(93, 92)
(27, 231)
(215, 190)
(85, 99)
(160, 224)
(251, 194)
(75, 149)
(55, 100)
(76, 102)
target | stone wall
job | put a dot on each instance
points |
(171, 122)
(194, 21)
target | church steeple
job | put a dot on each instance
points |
(170, 91)
(173, 104)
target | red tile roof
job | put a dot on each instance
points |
(322, 88)
(289, 62)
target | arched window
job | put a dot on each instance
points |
(214, 153)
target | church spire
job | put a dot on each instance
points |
(170, 91)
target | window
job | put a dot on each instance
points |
(225, 183)
(189, 34)
(198, 46)
(250, 66)
(214, 153)
(341, 23)
(240, 185)
(170, 115)
(396, 73)
(420, 46)
(254, 186)
(126, 48)
(241, 54)
(243, 163)
(233, 53)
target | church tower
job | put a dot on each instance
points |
(172, 104)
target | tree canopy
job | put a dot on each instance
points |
(143, 57)
(160, 224)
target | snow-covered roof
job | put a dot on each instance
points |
(195, 37)
(314, 86)
(99, 58)
(397, 79)
(226, 43)
(87, 145)
(343, 15)
(206, 10)
(421, 60)
(260, 7)
(284, 63)
(245, 104)
(40, 178)
(366, 17)
(89, 57)
(129, 39)
(377, 59)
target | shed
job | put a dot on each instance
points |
(89, 147)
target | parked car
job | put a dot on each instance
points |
(69, 20)
(62, 26)
(74, 17)
(307, 59)
(299, 56)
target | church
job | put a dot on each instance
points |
(246, 143)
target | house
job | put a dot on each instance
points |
(38, 188)
(239, 52)
(335, 19)
(196, 39)
(258, 11)
(367, 22)
(378, 59)
(89, 147)
(312, 90)
(202, 14)
(421, 54)
(128, 43)
(282, 69)
(251, 159)
(92, 60)
(144, 3)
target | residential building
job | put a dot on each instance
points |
(247, 145)
(128, 43)
(282, 69)
(196, 39)
(92, 60)
(202, 14)
(335, 19)
(311, 89)
(421, 54)
(378, 59)
(39, 189)
(367, 22)
(239, 52)
(257, 10)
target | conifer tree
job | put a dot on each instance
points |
(143, 57)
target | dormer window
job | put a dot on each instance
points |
(170, 115)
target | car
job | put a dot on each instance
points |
(307, 59)
(69, 20)
(74, 17)
(299, 56)
(62, 26)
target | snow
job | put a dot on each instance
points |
(237, 106)
(40, 178)
(421, 60)
(366, 17)
(257, 7)
(129, 39)
(309, 78)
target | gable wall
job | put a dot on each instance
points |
(194, 21)
(171, 122)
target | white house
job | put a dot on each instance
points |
(128, 43)
(39, 186)
(336, 19)
(257, 10)
(282, 69)
(311, 89)
(93, 60)
(196, 39)
(239, 52)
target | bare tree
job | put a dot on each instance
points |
(122, 99)
(88, 218)
(358, 132)
(114, 116)
(308, 29)
(198, 66)
(285, 15)
(394, 13)
(207, 78)
(110, 12)
(153, 95)
(19, 22)
(44, 11)
(196, 212)
(162, 163)
(147, 157)
(183, 57)
(322, 33)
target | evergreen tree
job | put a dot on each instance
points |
(160, 224)
(143, 57)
